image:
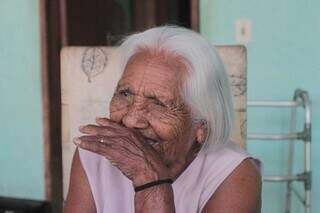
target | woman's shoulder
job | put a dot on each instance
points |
(217, 165)
(245, 179)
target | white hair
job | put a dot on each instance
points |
(206, 89)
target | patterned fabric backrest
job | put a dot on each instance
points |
(89, 76)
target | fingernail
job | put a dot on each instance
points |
(81, 127)
(76, 141)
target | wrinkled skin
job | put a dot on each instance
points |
(150, 129)
(148, 99)
(150, 134)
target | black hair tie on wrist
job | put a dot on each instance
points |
(151, 184)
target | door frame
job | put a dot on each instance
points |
(195, 15)
(53, 37)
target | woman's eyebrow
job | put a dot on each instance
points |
(163, 99)
(120, 85)
(124, 86)
(154, 97)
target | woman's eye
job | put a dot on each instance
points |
(125, 93)
(159, 103)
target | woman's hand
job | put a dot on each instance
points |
(124, 148)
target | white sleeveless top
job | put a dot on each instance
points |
(113, 192)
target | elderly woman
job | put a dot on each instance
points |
(165, 147)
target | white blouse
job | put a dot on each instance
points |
(113, 192)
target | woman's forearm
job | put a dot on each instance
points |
(157, 199)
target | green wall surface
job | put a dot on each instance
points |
(283, 55)
(21, 151)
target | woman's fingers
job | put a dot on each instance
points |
(105, 127)
(102, 145)
(105, 146)
(91, 144)
(108, 123)
(92, 138)
(97, 130)
(102, 121)
(114, 130)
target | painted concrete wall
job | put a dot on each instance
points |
(21, 148)
(283, 55)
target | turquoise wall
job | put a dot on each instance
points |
(283, 55)
(21, 150)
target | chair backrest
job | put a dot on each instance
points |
(89, 76)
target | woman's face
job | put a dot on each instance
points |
(148, 99)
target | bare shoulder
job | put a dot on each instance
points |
(239, 193)
(79, 198)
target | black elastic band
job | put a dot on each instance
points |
(151, 184)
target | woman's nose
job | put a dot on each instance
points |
(135, 119)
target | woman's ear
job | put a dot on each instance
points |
(201, 131)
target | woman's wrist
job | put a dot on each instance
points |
(151, 176)
(152, 184)
(159, 197)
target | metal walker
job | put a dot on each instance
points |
(300, 99)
